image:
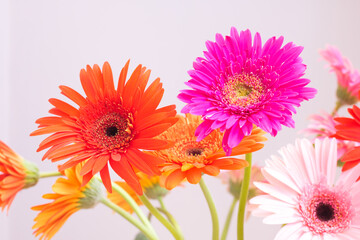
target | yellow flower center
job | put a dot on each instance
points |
(243, 90)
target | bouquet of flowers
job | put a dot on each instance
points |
(239, 91)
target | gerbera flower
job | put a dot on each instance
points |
(348, 78)
(15, 174)
(189, 158)
(302, 193)
(69, 197)
(152, 186)
(234, 180)
(349, 129)
(240, 83)
(322, 126)
(109, 126)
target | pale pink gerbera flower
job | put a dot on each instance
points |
(348, 78)
(302, 193)
(234, 178)
(240, 83)
(323, 125)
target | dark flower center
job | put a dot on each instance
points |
(112, 131)
(194, 151)
(325, 212)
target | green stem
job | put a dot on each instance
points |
(149, 234)
(168, 215)
(49, 174)
(214, 216)
(243, 198)
(338, 105)
(161, 218)
(132, 204)
(228, 219)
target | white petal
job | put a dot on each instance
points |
(269, 200)
(290, 231)
(280, 179)
(295, 165)
(289, 197)
(290, 211)
(351, 233)
(326, 158)
(281, 219)
(308, 155)
(260, 213)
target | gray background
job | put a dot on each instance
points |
(45, 43)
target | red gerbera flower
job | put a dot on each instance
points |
(349, 129)
(109, 126)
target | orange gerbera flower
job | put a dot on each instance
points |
(349, 129)
(15, 174)
(69, 197)
(189, 158)
(109, 126)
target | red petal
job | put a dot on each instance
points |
(105, 177)
(149, 143)
(126, 172)
(353, 155)
(73, 95)
(108, 80)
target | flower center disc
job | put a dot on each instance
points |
(243, 89)
(194, 151)
(112, 131)
(107, 126)
(325, 212)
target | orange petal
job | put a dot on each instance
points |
(108, 80)
(141, 162)
(64, 107)
(88, 88)
(131, 87)
(126, 172)
(100, 163)
(149, 143)
(211, 170)
(105, 177)
(122, 78)
(353, 155)
(174, 179)
(154, 130)
(88, 166)
(73, 95)
(193, 175)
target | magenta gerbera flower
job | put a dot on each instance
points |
(240, 83)
(303, 195)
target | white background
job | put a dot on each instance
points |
(44, 44)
